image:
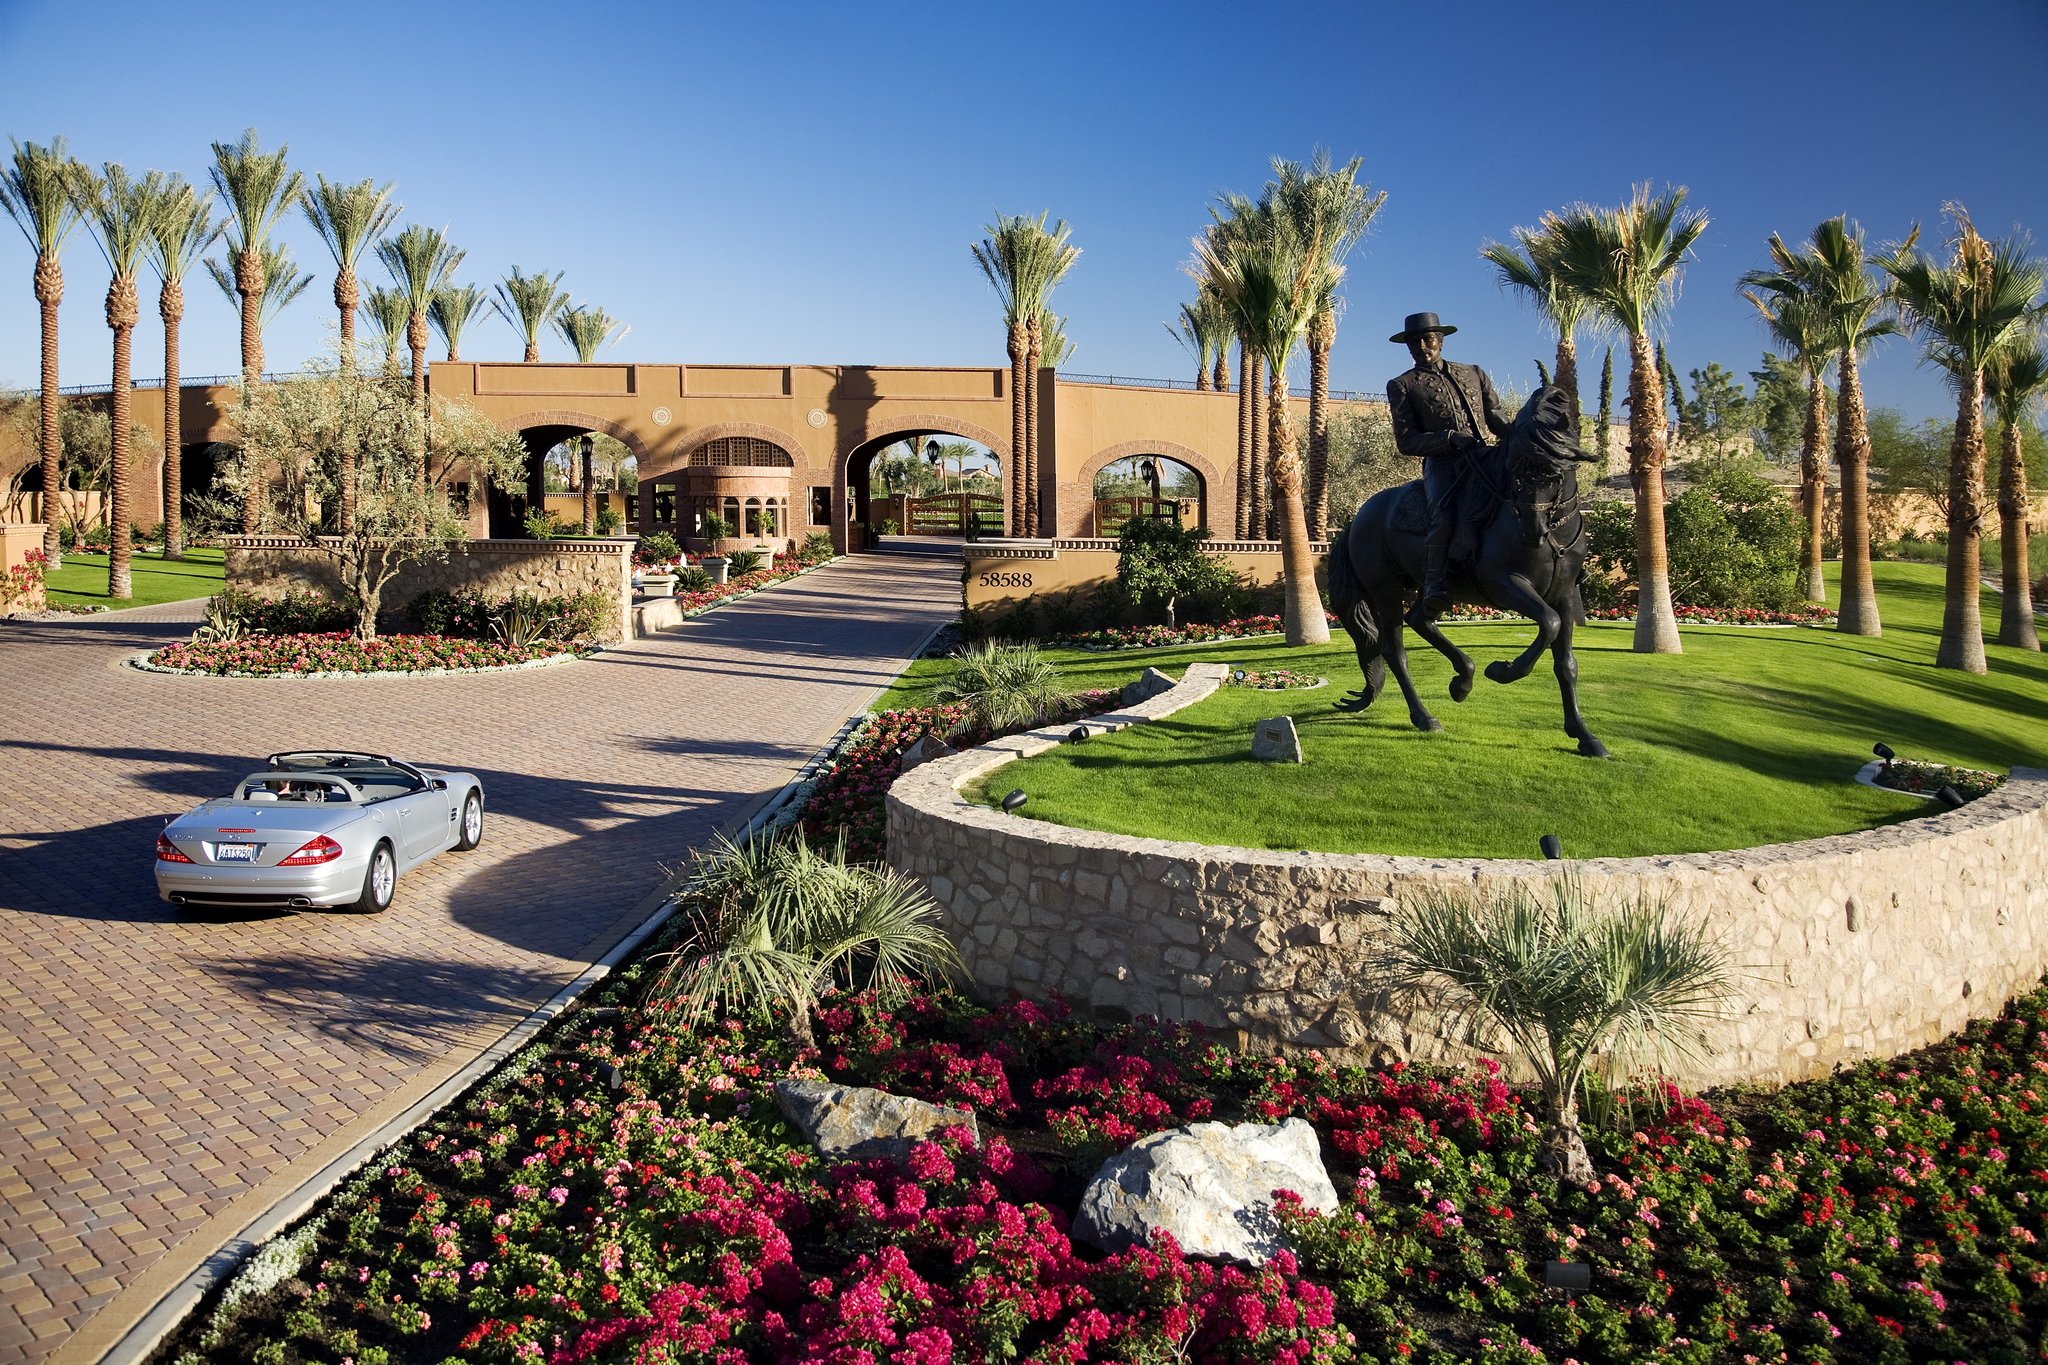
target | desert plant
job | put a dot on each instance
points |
(742, 562)
(1564, 981)
(816, 549)
(608, 520)
(775, 922)
(692, 579)
(1003, 685)
(520, 621)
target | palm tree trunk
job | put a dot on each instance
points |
(1857, 614)
(249, 284)
(416, 339)
(589, 493)
(1255, 374)
(347, 295)
(1201, 374)
(50, 293)
(532, 355)
(1219, 378)
(1564, 1153)
(1306, 624)
(121, 314)
(1813, 478)
(2016, 602)
(171, 307)
(1034, 338)
(1322, 335)
(1656, 623)
(1567, 376)
(1962, 628)
(1244, 442)
(1019, 351)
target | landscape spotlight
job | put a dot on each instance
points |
(1949, 796)
(1077, 734)
(1552, 848)
(1883, 751)
(1567, 1275)
(1014, 799)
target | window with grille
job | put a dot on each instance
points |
(744, 451)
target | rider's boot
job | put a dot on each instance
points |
(1436, 566)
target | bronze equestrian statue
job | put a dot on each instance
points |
(1522, 497)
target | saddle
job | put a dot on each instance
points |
(1477, 500)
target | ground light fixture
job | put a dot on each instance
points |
(1567, 1275)
(1949, 796)
(1077, 734)
(1015, 799)
(1884, 752)
(1552, 848)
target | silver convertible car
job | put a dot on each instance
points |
(317, 829)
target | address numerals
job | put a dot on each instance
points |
(1004, 580)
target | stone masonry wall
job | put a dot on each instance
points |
(269, 566)
(1851, 947)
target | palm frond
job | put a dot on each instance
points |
(35, 191)
(121, 210)
(389, 311)
(1983, 298)
(588, 330)
(530, 302)
(1023, 261)
(283, 281)
(454, 307)
(419, 261)
(184, 228)
(349, 217)
(1624, 261)
(255, 187)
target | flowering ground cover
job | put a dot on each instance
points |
(1912, 775)
(267, 656)
(785, 567)
(627, 1191)
(1274, 679)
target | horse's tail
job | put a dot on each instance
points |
(1347, 594)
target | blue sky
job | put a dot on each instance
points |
(801, 182)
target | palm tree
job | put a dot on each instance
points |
(283, 282)
(1969, 310)
(1797, 322)
(454, 307)
(1624, 262)
(1056, 348)
(1328, 206)
(530, 303)
(2017, 380)
(183, 229)
(1236, 217)
(35, 191)
(1564, 983)
(121, 211)
(349, 218)
(1833, 271)
(1022, 262)
(1273, 281)
(588, 330)
(257, 191)
(1195, 341)
(389, 312)
(1521, 267)
(419, 260)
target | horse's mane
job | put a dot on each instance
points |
(1544, 436)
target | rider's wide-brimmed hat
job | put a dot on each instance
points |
(1418, 323)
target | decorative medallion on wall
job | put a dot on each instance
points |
(662, 417)
(817, 417)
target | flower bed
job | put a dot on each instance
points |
(1913, 775)
(1155, 637)
(628, 1191)
(1720, 616)
(1275, 679)
(848, 798)
(784, 568)
(271, 656)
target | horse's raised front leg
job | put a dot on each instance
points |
(1566, 665)
(1514, 592)
(1461, 662)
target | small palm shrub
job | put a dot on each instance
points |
(692, 579)
(816, 549)
(1564, 982)
(742, 562)
(776, 922)
(1003, 686)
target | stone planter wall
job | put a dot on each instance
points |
(269, 566)
(1857, 946)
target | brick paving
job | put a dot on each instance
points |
(155, 1068)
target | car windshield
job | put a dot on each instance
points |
(379, 779)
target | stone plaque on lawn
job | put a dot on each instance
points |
(1276, 740)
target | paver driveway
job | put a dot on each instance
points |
(162, 1079)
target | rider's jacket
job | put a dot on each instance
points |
(1431, 406)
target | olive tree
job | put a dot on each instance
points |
(337, 444)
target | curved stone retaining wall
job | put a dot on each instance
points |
(1857, 946)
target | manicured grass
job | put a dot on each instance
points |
(81, 580)
(1750, 737)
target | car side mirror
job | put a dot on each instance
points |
(440, 784)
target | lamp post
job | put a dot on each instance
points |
(589, 494)
(935, 454)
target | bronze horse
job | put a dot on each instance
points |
(1531, 542)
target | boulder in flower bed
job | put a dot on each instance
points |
(1209, 1184)
(857, 1123)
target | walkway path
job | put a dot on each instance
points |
(163, 1078)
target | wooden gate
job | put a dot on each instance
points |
(950, 514)
(1112, 513)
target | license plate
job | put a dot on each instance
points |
(235, 853)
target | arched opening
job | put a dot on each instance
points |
(925, 482)
(729, 492)
(558, 454)
(1146, 484)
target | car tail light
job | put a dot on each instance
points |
(319, 849)
(167, 852)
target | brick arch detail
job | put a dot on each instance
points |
(925, 421)
(1171, 450)
(564, 417)
(704, 436)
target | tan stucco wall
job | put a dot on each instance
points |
(1858, 946)
(17, 539)
(1005, 572)
(270, 566)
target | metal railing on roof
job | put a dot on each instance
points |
(1126, 382)
(185, 381)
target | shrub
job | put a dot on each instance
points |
(1160, 561)
(742, 562)
(1003, 685)
(608, 520)
(690, 578)
(1610, 574)
(658, 548)
(540, 525)
(717, 527)
(816, 549)
(521, 618)
(1733, 538)
(23, 580)
(466, 615)
(233, 613)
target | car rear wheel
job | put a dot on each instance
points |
(472, 831)
(380, 882)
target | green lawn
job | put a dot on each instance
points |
(81, 580)
(1747, 738)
